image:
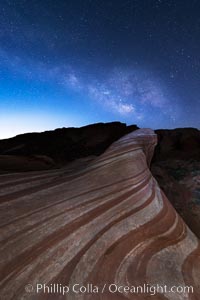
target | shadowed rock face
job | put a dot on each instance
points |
(180, 143)
(15, 163)
(64, 144)
(180, 180)
(176, 166)
(105, 222)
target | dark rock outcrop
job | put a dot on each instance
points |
(66, 144)
(180, 143)
(176, 166)
(180, 180)
(17, 163)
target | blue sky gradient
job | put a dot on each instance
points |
(79, 62)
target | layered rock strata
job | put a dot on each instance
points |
(107, 223)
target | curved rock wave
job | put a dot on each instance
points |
(107, 224)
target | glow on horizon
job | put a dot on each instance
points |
(15, 124)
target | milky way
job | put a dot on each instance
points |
(70, 63)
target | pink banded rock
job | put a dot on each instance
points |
(105, 223)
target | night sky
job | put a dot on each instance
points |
(76, 62)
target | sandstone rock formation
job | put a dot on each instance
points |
(14, 163)
(107, 222)
(66, 144)
(176, 166)
(179, 143)
(180, 180)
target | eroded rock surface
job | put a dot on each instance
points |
(64, 144)
(106, 221)
(179, 143)
(180, 180)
